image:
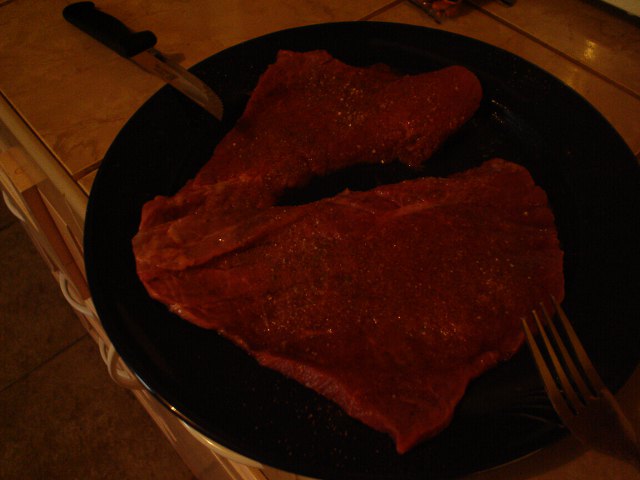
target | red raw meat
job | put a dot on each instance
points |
(386, 301)
(311, 114)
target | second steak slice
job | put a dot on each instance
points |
(387, 301)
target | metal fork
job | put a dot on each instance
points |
(579, 397)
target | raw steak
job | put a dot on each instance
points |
(386, 301)
(311, 114)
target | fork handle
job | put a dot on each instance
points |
(624, 447)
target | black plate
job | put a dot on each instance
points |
(527, 116)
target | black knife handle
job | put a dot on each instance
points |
(108, 30)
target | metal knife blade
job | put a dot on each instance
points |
(155, 62)
(139, 48)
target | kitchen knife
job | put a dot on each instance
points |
(138, 47)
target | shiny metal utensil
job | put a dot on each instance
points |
(138, 47)
(438, 9)
(579, 397)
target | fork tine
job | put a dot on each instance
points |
(575, 374)
(600, 422)
(583, 358)
(567, 388)
(555, 395)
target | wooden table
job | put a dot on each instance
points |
(65, 97)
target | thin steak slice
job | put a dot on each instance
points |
(311, 114)
(387, 302)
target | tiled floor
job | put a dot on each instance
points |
(61, 417)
